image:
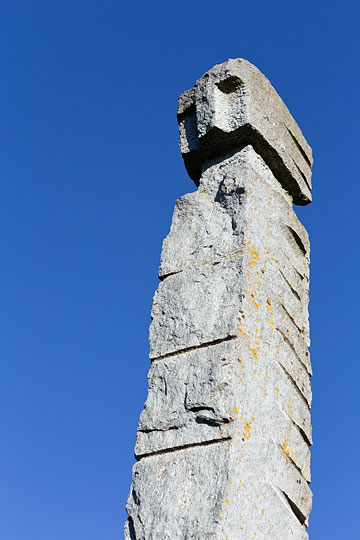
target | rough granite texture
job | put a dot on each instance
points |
(223, 440)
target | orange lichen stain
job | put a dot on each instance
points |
(291, 412)
(255, 352)
(236, 410)
(269, 303)
(230, 482)
(210, 261)
(250, 189)
(285, 449)
(241, 331)
(240, 360)
(255, 255)
(270, 322)
(276, 261)
(247, 427)
(203, 191)
(262, 511)
(227, 501)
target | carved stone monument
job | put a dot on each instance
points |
(223, 440)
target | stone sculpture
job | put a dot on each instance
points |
(223, 440)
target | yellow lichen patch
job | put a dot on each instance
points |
(255, 255)
(265, 392)
(227, 501)
(210, 261)
(247, 428)
(267, 373)
(203, 191)
(285, 450)
(269, 303)
(255, 352)
(236, 410)
(262, 511)
(276, 261)
(277, 389)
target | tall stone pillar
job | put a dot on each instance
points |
(223, 440)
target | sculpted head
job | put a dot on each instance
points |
(234, 105)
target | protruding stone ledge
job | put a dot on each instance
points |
(233, 105)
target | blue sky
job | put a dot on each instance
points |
(89, 174)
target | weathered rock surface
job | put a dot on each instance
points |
(234, 104)
(223, 440)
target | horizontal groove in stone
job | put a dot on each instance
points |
(194, 348)
(184, 447)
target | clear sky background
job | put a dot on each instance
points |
(89, 174)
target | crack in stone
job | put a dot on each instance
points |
(300, 148)
(194, 348)
(185, 447)
(295, 509)
(290, 286)
(300, 429)
(286, 339)
(294, 383)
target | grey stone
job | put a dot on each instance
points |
(191, 399)
(223, 440)
(193, 308)
(235, 104)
